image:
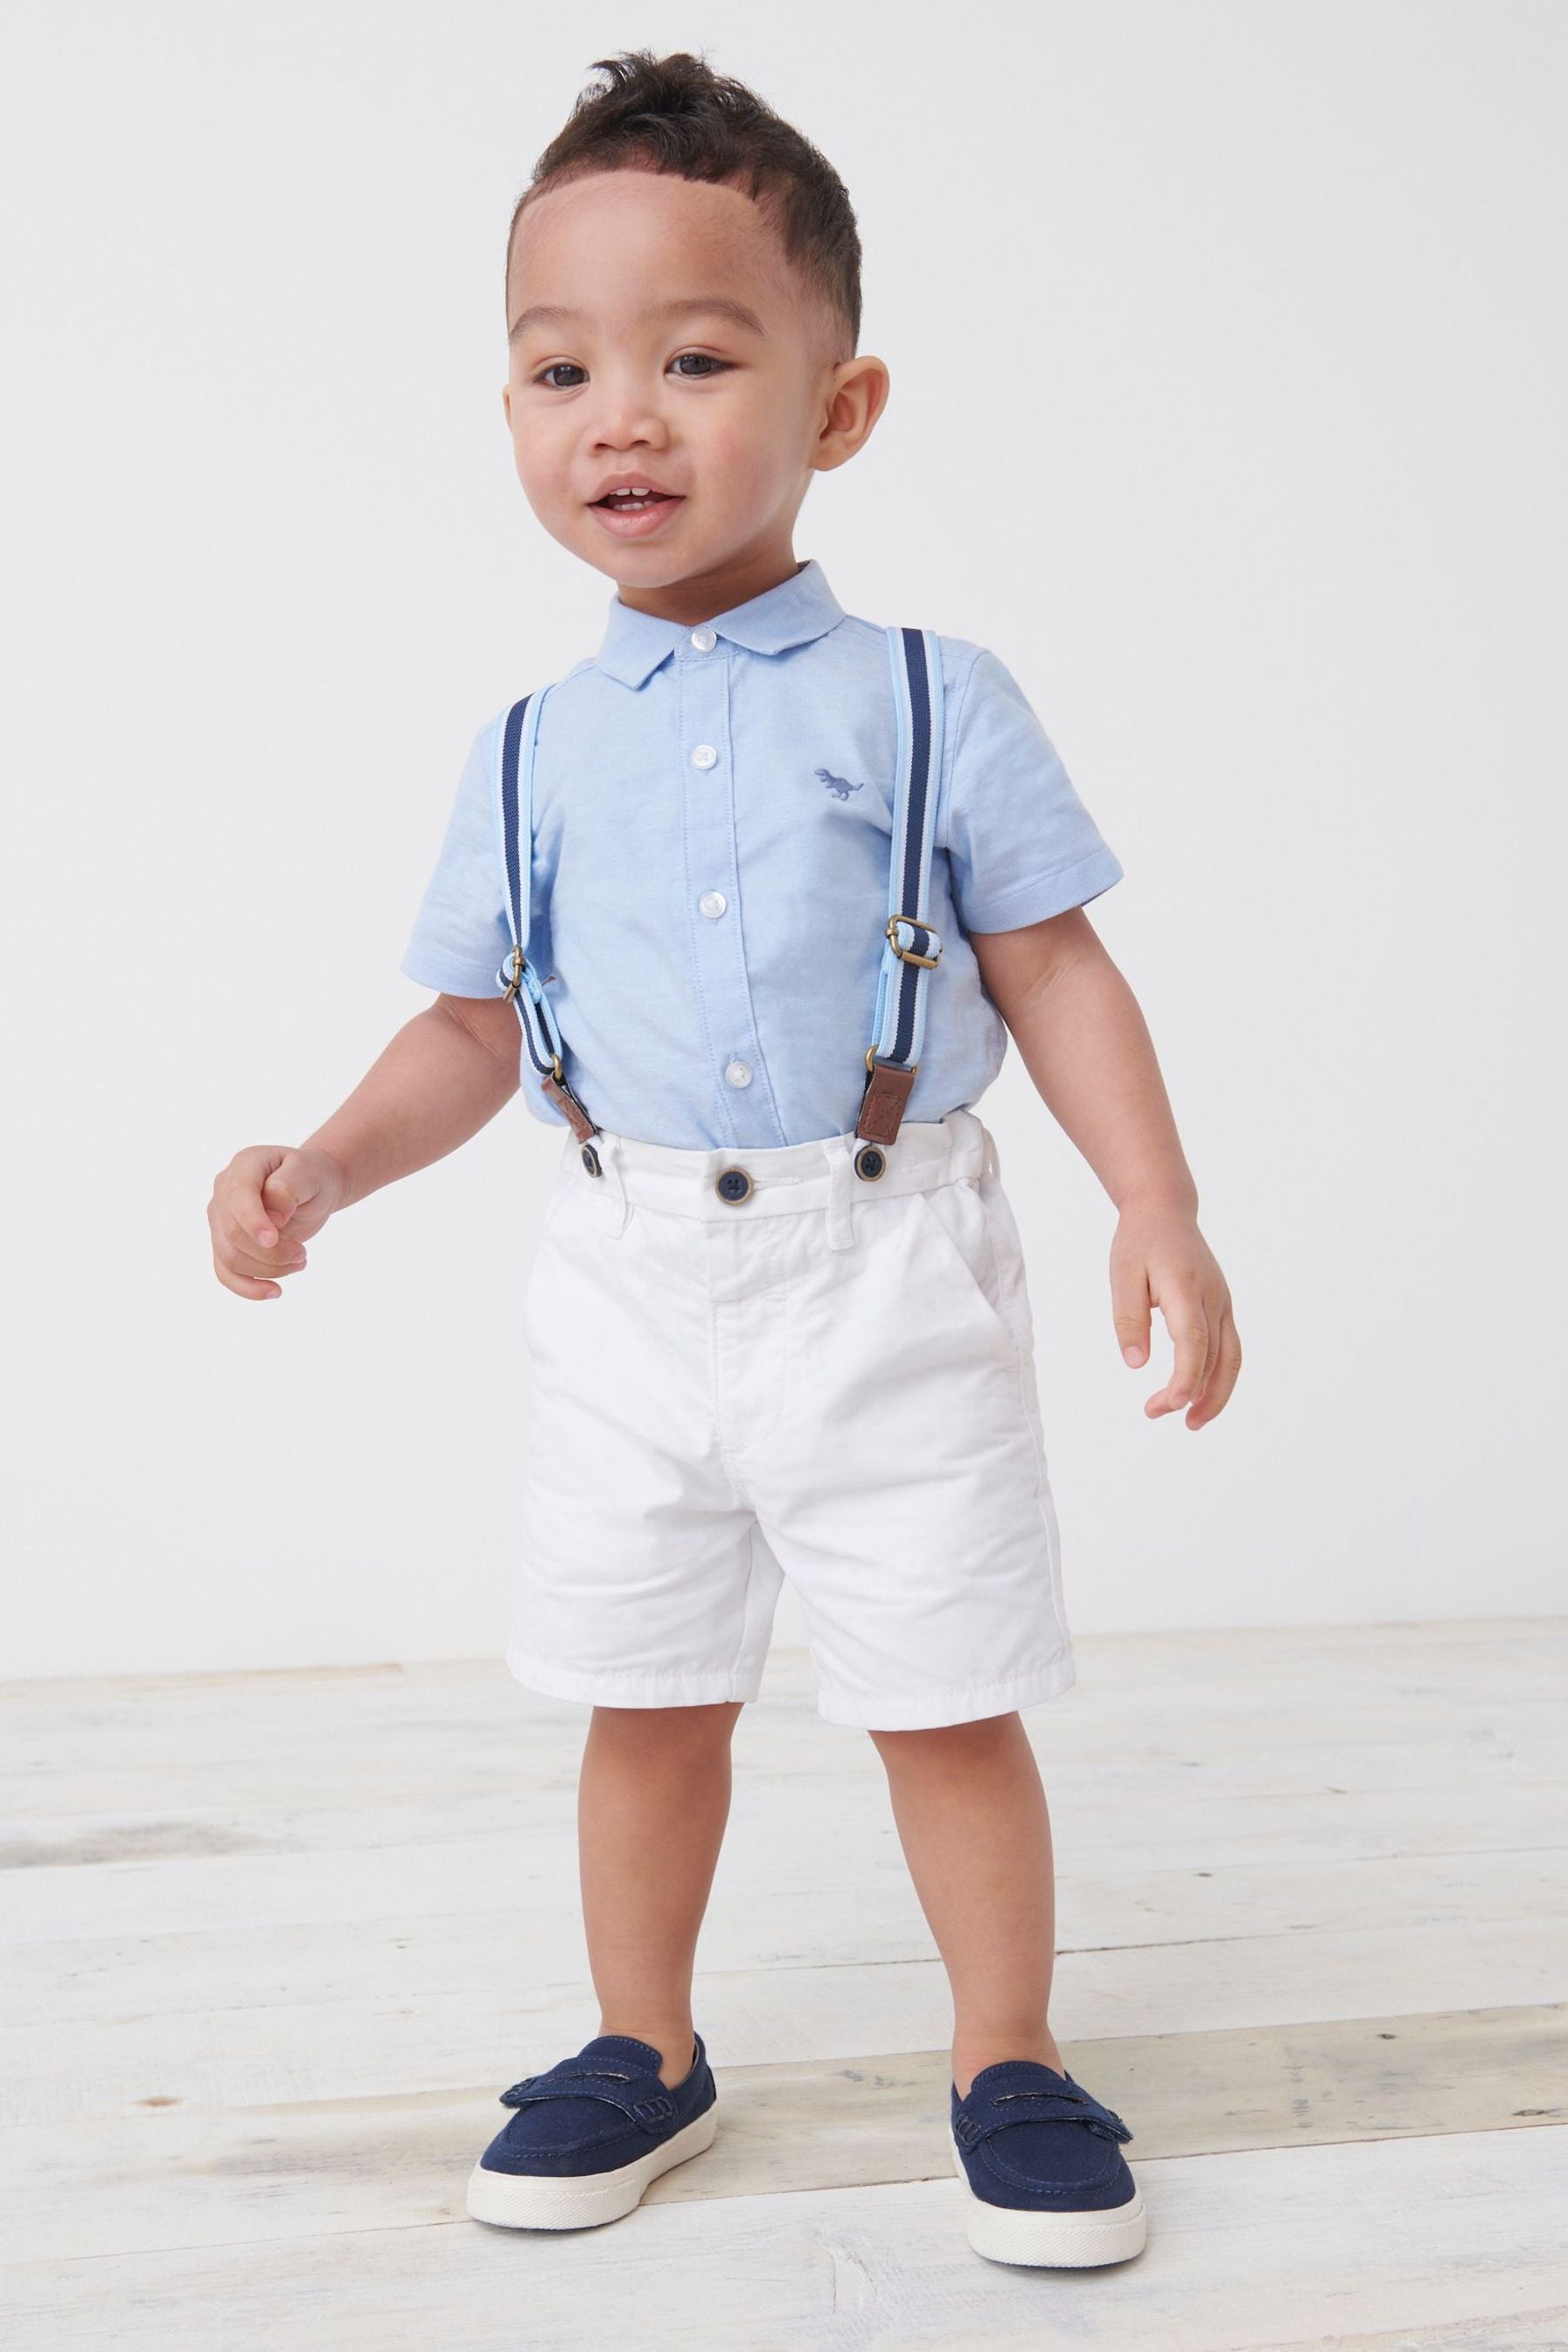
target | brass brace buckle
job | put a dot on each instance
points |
(908, 955)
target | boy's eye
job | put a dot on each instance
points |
(707, 365)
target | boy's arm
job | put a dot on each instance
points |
(442, 1076)
(1088, 1049)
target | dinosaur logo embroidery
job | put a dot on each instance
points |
(839, 786)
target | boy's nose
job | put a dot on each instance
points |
(627, 429)
(626, 450)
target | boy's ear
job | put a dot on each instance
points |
(856, 398)
(506, 403)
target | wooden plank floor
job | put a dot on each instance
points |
(272, 1943)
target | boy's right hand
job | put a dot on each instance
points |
(270, 1199)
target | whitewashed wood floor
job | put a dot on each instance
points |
(274, 1942)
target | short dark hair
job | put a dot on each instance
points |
(674, 114)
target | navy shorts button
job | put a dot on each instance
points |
(733, 1184)
(591, 1161)
(869, 1162)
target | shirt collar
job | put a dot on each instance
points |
(790, 614)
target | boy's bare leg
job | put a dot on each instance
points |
(653, 1796)
(971, 1817)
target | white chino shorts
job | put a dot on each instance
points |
(829, 1379)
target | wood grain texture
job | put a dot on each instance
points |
(270, 1945)
(402, 2160)
(1326, 2243)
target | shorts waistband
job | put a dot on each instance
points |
(784, 1178)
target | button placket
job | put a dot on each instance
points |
(713, 868)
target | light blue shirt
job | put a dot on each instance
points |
(713, 814)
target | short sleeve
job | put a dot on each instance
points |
(1021, 845)
(460, 936)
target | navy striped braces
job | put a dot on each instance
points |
(517, 977)
(912, 947)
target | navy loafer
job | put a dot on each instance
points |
(589, 2135)
(1043, 2172)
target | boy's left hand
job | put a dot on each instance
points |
(1159, 1258)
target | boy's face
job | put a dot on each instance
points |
(633, 375)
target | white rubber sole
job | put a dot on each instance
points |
(526, 2200)
(1075, 2241)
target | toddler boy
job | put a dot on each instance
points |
(750, 900)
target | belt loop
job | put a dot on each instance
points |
(613, 1177)
(973, 1148)
(978, 1146)
(841, 1191)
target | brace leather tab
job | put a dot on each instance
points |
(883, 1102)
(557, 1091)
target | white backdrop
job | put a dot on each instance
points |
(1228, 355)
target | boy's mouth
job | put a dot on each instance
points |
(633, 514)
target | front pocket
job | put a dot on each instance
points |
(564, 1188)
(959, 1215)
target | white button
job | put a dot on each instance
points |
(739, 1074)
(713, 902)
(703, 756)
(704, 640)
